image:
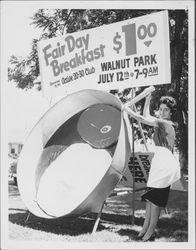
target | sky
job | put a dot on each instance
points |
(23, 108)
(19, 30)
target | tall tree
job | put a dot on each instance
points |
(179, 69)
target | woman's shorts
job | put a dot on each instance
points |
(158, 196)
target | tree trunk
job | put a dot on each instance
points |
(178, 50)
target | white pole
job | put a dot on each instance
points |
(142, 133)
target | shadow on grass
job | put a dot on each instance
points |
(68, 226)
(63, 226)
(117, 219)
(174, 226)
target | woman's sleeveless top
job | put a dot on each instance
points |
(164, 135)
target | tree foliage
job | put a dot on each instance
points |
(57, 22)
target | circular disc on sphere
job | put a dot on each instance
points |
(99, 125)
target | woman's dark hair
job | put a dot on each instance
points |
(171, 103)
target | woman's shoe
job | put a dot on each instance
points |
(151, 238)
(139, 237)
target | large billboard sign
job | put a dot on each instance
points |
(130, 53)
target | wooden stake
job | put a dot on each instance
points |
(98, 219)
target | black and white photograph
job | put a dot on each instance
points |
(97, 125)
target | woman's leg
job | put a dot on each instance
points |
(147, 219)
(154, 216)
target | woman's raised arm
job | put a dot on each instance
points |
(146, 111)
(151, 121)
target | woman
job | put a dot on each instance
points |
(164, 168)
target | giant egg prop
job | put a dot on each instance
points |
(74, 156)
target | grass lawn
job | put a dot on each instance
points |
(115, 224)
